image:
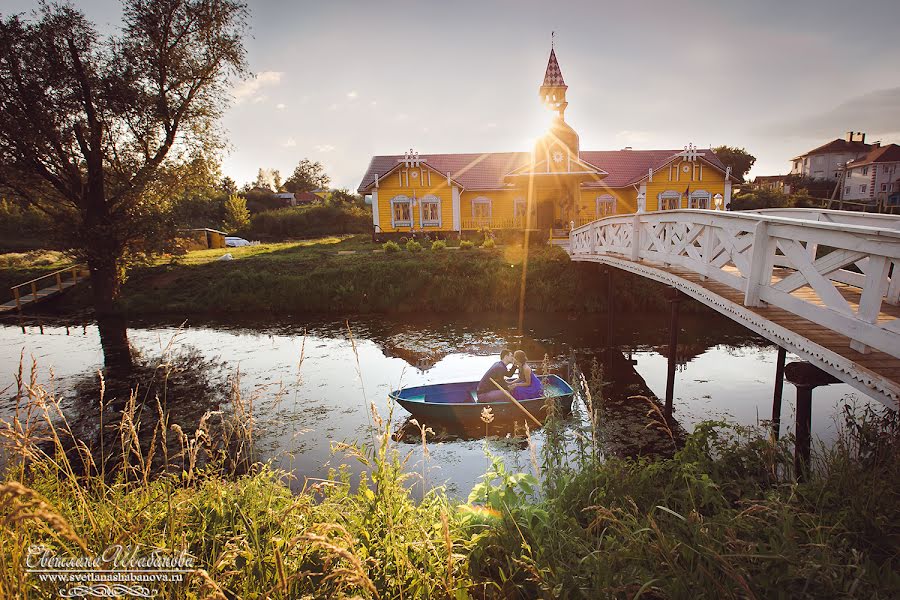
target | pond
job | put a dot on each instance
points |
(311, 384)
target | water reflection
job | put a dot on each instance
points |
(302, 406)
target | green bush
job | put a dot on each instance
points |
(466, 245)
(391, 246)
(413, 246)
(309, 221)
(488, 243)
(438, 245)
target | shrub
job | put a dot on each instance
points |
(488, 243)
(438, 245)
(391, 246)
(309, 221)
(413, 246)
(237, 217)
(465, 245)
(403, 240)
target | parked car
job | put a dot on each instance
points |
(235, 242)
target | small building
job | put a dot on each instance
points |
(205, 238)
(828, 160)
(776, 183)
(288, 198)
(873, 177)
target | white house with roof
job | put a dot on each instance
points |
(873, 177)
(828, 160)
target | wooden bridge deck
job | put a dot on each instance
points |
(61, 280)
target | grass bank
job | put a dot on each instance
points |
(723, 518)
(19, 267)
(321, 275)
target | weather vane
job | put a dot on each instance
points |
(552, 36)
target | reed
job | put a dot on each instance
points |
(722, 518)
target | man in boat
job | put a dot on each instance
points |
(505, 367)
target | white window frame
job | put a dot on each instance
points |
(884, 187)
(699, 197)
(520, 208)
(401, 200)
(669, 195)
(609, 202)
(862, 188)
(430, 199)
(865, 171)
(483, 201)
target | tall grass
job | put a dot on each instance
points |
(722, 518)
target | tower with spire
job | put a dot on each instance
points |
(553, 90)
(560, 138)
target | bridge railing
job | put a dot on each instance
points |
(797, 264)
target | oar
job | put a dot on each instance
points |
(516, 402)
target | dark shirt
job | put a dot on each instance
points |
(497, 372)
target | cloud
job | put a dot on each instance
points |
(280, 106)
(258, 99)
(324, 148)
(333, 106)
(352, 95)
(876, 113)
(247, 90)
(289, 143)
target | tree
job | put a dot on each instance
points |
(738, 159)
(88, 123)
(237, 216)
(308, 176)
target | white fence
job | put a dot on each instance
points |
(812, 249)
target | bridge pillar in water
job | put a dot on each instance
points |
(778, 393)
(805, 378)
(674, 298)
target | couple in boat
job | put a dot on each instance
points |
(525, 387)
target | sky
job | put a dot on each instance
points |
(339, 81)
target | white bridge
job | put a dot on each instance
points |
(823, 284)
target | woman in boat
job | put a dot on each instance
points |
(528, 386)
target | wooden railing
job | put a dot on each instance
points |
(476, 223)
(56, 282)
(743, 249)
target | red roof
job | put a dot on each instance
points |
(553, 76)
(838, 146)
(487, 171)
(889, 153)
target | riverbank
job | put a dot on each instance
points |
(353, 275)
(723, 518)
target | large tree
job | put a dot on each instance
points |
(738, 159)
(90, 124)
(308, 176)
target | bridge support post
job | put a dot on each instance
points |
(779, 392)
(609, 306)
(674, 298)
(805, 378)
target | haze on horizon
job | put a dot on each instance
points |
(341, 81)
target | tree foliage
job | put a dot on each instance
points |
(237, 216)
(307, 176)
(93, 128)
(738, 159)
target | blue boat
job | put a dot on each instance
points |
(457, 403)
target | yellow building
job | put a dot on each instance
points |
(551, 187)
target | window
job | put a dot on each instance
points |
(847, 190)
(862, 189)
(865, 170)
(606, 205)
(669, 200)
(883, 187)
(401, 211)
(481, 208)
(849, 173)
(431, 211)
(885, 169)
(519, 207)
(699, 199)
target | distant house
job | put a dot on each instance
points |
(308, 197)
(828, 160)
(777, 183)
(873, 177)
(287, 197)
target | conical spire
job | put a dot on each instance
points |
(553, 77)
